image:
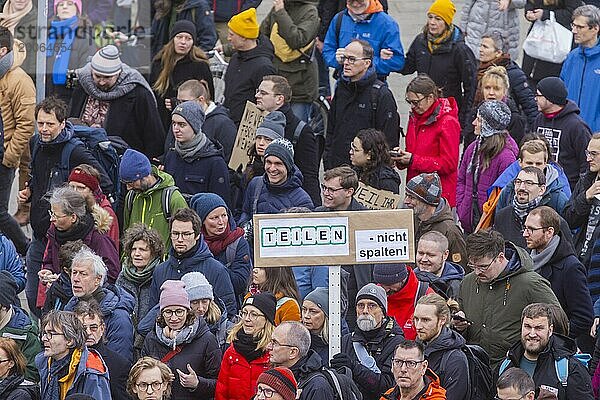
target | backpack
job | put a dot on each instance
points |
(561, 366)
(481, 379)
(340, 381)
(165, 201)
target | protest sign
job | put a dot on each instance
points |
(244, 140)
(375, 199)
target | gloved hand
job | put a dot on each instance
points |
(342, 360)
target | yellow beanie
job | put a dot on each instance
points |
(444, 9)
(245, 24)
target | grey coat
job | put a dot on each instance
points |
(481, 16)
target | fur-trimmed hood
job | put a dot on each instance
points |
(102, 219)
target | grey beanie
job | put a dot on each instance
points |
(373, 292)
(106, 61)
(320, 296)
(197, 286)
(495, 117)
(193, 113)
(284, 150)
(273, 126)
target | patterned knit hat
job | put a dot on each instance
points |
(106, 61)
(495, 117)
(284, 150)
(282, 380)
(426, 187)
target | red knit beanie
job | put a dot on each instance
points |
(282, 380)
(86, 179)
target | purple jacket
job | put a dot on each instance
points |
(486, 178)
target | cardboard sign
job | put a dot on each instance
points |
(334, 238)
(376, 199)
(244, 140)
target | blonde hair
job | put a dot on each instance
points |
(213, 314)
(145, 363)
(264, 334)
(498, 73)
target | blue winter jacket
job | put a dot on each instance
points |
(310, 278)
(275, 199)
(200, 260)
(380, 30)
(117, 305)
(583, 65)
(88, 380)
(513, 170)
(11, 261)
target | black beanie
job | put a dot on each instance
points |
(186, 26)
(554, 90)
(265, 302)
(8, 289)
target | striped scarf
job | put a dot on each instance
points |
(433, 43)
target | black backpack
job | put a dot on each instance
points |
(481, 379)
(340, 381)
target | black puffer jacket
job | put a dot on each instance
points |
(453, 368)
(244, 74)
(380, 344)
(579, 385)
(313, 384)
(200, 351)
(14, 387)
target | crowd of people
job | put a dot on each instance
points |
(139, 270)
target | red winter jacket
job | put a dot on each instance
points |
(433, 139)
(237, 378)
(401, 305)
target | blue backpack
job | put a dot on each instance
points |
(561, 366)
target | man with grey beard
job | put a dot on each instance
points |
(368, 351)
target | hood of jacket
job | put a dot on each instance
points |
(568, 109)
(442, 213)
(165, 180)
(41, 363)
(447, 340)
(116, 297)
(441, 107)
(365, 82)
(433, 390)
(519, 261)
(564, 250)
(294, 180)
(308, 364)
(18, 54)
(510, 173)
(102, 219)
(212, 148)
(64, 136)
(190, 4)
(19, 320)
(216, 111)
(264, 48)
(558, 347)
(589, 52)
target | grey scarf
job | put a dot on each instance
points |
(540, 259)
(521, 210)
(5, 63)
(183, 336)
(127, 81)
(190, 149)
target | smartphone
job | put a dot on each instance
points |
(395, 153)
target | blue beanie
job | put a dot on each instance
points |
(134, 166)
(284, 150)
(204, 203)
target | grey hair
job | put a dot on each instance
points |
(591, 12)
(87, 255)
(298, 336)
(71, 326)
(70, 201)
(498, 38)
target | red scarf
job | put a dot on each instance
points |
(218, 244)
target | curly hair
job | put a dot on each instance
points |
(373, 144)
(143, 232)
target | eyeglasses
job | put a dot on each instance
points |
(55, 216)
(143, 386)
(592, 154)
(180, 312)
(412, 364)
(368, 306)
(351, 59)
(415, 103)
(579, 27)
(527, 182)
(49, 334)
(482, 268)
(268, 393)
(327, 189)
(530, 230)
(274, 343)
(184, 235)
(252, 315)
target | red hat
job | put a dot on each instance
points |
(85, 178)
(282, 380)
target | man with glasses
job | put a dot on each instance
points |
(554, 259)
(368, 351)
(583, 63)
(414, 380)
(515, 384)
(530, 193)
(90, 315)
(361, 101)
(492, 296)
(66, 365)
(290, 348)
(152, 196)
(548, 357)
(189, 253)
(88, 276)
(560, 122)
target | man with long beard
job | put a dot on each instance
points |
(368, 351)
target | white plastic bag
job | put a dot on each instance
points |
(548, 41)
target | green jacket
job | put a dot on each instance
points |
(298, 24)
(495, 308)
(22, 330)
(147, 207)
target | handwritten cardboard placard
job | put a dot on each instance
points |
(375, 199)
(244, 140)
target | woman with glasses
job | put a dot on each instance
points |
(142, 252)
(282, 282)
(149, 378)
(432, 136)
(370, 157)
(66, 365)
(247, 356)
(484, 161)
(185, 344)
(178, 60)
(13, 385)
